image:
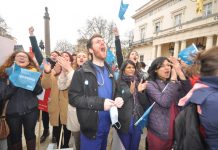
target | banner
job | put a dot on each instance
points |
(23, 78)
(43, 100)
(187, 53)
(6, 48)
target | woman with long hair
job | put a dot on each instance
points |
(130, 89)
(72, 120)
(22, 108)
(166, 85)
(57, 79)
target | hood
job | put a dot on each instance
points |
(211, 81)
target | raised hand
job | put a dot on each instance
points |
(115, 31)
(31, 31)
(57, 68)
(177, 67)
(66, 65)
(47, 66)
(173, 74)
(142, 86)
(175, 63)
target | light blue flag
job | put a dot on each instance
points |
(187, 53)
(123, 8)
(143, 121)
(23, 78)
(110, 59)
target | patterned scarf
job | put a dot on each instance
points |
(136, 107)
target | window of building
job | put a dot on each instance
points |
(177, 16)
(207, 9)
(157, 26)
(141, 58)
(177, 19)
(157, 22)
(142, 33)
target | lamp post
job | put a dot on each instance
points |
(41, 45)
(171, 50)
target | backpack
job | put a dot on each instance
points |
(187, 130)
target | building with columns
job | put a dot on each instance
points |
(164, 27)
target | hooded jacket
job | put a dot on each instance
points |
(207, 98)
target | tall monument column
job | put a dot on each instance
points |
(47, 32)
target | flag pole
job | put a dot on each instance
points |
(59, 145)
(40, 122)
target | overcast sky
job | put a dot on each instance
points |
(66, 17)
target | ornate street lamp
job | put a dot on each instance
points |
(171, 50)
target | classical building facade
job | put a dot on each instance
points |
(164, 27)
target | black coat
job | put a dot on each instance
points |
(2, 95)
(125, 113)
(21, 101)
(187, 134)
(83, 94)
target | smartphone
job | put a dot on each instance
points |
(51, 62)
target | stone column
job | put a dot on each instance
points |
(47, 32)
(183, 44)
(154, 52)
(209, 42)
(216, 40)
(176, 49)
(158, 50)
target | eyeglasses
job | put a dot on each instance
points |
(21, 56)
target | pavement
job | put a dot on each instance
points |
(48, 143)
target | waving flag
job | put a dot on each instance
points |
(110, 57)
(186, 54)
(199, 5)
(143, 121)
(123, 8)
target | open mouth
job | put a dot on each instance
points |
(167, 73)
(21, 61)
(103, 49)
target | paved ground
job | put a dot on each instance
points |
(44, 146)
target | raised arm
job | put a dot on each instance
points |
(35, 47)
(119, 54)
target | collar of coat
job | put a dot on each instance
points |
(89, 67)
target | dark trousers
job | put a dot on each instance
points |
(99, 143)
(57, 132)
(131, 139)
(45, 120)
(15, 123)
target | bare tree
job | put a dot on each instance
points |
(81, 45)
(4, 29)
(64, 46)
(101, 26)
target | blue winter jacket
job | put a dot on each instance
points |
(207, 98)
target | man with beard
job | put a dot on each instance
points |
(92, 92)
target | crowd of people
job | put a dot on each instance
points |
(84, 91)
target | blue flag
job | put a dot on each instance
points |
(110, 59)
(143, 121)
(123, 8)
(23, 78)
(186, 54)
